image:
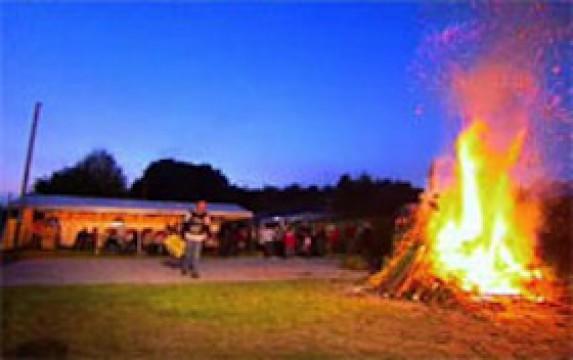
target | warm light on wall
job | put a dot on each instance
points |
(116, 223)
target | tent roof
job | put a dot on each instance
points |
(87, 204)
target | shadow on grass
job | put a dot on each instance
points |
(171, 263)
(8, 257)
(45, 348)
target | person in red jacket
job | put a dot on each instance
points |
(289, 241)
(333, 238)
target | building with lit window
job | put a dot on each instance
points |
(54, 221)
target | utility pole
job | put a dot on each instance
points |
(27, 166)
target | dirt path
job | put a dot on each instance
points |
(61, 271)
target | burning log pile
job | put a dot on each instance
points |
(407, 274)
(473, 241)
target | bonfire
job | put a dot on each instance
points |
(473, 237)
(474, 234)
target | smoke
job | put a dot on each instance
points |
(507, 64)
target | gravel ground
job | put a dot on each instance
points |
(62, 271)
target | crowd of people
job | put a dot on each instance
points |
(282, 239)
(285, 240)
(276, 238)
(117, 240)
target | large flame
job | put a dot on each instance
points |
(480, 216)
(482, 237)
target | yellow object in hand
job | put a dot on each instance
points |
(175, 245)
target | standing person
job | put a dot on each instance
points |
(267, 236)
(371, 248)
(278, 239)
(225, 239)
(196, 229)
(81, 239)
(307, 240)
(96, 240)
(333, 238)
(289, 242)
(319, 243)
(350, 238)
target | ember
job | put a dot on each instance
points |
(476, 229)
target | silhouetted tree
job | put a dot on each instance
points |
(168, 179)
(365, 196)
(98, 175)
(293, 198)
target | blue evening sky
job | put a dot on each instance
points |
(269, 94)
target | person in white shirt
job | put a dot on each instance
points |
(267, 236)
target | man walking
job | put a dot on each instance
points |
(196, 229)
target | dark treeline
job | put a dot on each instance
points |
(99, 175)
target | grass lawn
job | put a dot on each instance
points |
(286, 319)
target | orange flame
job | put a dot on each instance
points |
(481, 216)
(483, 236)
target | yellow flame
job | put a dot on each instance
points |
(480, 237)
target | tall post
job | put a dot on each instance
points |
(27, 166)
